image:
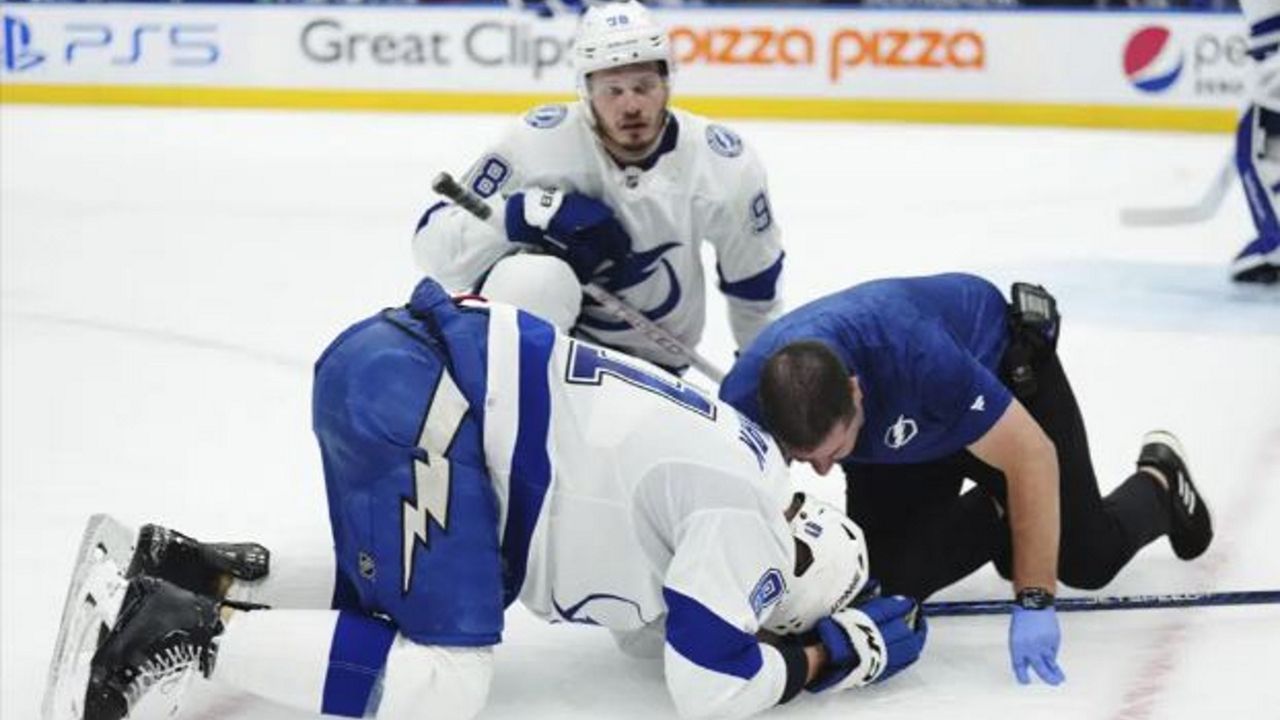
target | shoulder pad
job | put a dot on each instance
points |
(545, 117)
(724, 141)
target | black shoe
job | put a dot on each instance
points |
(202, 568)
(162, 634)
(1191, 528)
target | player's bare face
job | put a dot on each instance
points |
(630, 104)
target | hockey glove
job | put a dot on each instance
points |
(574, 227)
(870, 643)
(1033, 640)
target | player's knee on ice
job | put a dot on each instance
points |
(543, 285)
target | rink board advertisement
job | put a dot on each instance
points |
(1146, 70)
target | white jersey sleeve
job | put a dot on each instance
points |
(716, 598)
(549, 147)
(457, 248)
(745, 236)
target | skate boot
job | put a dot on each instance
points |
(1191, 528)
(203, 568)
(162, 637)
(1258, 262)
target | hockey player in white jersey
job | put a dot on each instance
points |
(474, 456)
(1258, 146)
(617, 189)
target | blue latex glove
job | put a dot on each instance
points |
(1033, 641)
(574, 227)
(870, 643)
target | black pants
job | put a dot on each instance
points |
(924, 535)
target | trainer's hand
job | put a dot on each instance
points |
(577, 228)
(1033, 641)
(870, 643)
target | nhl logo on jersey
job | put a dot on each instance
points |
(724, 141)
(546, 116)
(368, 568)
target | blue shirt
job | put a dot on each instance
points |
(926, 352)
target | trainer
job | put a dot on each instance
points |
(912, 385)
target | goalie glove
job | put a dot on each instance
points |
(869, 643)
(577, 228)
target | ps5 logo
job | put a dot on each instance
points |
(19, 54)
(99, 43)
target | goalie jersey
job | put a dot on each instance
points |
(492, 458)
(701, 183)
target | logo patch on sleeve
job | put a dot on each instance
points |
(724, 141)
(489, 175)
(544, 117)
(767, 591)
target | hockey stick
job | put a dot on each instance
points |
(612, 304)
(1121, 602)
(1203, 209)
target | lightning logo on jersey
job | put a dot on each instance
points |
(431, 474)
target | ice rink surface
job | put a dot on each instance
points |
(168, 277)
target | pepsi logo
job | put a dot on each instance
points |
(1151, 62)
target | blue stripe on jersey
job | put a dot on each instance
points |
(426, 216)
(356, 659)
(1264, 26)
(707, 640)
(530, 464)
(761, 286)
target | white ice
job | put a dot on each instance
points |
(169, 276)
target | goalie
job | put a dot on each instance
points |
(1258, 146)
(473, 456)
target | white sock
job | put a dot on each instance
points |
(298, 580)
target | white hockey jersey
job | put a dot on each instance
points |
(661, 510)
(702, 184)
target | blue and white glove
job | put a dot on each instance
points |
(1033, 640)
(574, 227)
(870, 643)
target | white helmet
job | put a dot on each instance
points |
(831, 566)
(614, 34)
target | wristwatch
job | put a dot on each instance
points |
(1034, 598)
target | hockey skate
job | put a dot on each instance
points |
(162, 638)
(93, 602)
(1258, 262)
(1191, 527)
(110, 554)
(202, 568)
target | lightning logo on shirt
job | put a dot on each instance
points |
(431, 473)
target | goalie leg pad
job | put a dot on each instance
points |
(1258, 162)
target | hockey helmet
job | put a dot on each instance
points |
(615, 34)
(831, 566)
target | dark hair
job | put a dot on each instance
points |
(803, 393)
